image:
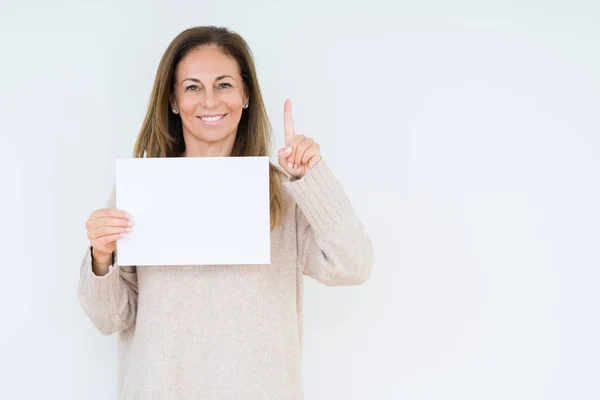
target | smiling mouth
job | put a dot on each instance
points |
(213, 119)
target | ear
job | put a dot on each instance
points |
(172, 102)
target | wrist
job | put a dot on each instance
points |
(101, 260)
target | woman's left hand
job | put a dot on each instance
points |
(300, 153)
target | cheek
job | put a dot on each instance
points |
(234, 100)
(188, 105)
(235, 104)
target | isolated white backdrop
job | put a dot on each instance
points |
(466, 135)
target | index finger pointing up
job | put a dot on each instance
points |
(288, 122)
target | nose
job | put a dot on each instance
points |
(210, 98)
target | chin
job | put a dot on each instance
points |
(213, 135)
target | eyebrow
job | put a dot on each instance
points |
(198, 80)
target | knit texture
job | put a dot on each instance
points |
(229, 331)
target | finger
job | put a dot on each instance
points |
(282, 156)
(294, 145)
(313, 161)
(104, 240)
(106, 221)
(288, 166)
(312, 151)
(109, 212)
(106, 231)
(301, 149)
(288, 122)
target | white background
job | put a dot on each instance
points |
(466, 134)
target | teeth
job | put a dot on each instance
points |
(210, 119)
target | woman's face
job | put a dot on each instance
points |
(209, 96)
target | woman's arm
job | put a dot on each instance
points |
(110, 300)
(333, 247)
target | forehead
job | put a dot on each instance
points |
(207, 63)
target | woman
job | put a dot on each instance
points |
(221, 332)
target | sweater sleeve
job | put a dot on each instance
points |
(333, 246)
(110, 301)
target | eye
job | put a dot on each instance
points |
(191, 86)
(224, 85)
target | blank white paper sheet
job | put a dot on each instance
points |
(194, 210)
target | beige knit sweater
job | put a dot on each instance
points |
(229, 331)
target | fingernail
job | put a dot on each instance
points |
(127, 215)
(288, 150)
(122, 235)
(295, 166)
(130, 223)
(290, 165)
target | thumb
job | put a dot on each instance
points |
(282, 156)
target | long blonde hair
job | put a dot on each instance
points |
(161, 134)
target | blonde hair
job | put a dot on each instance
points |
(161, 134)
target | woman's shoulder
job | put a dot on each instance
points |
(281, 176)
(287, 201)
(279, 172)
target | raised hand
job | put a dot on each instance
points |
(300, 153)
